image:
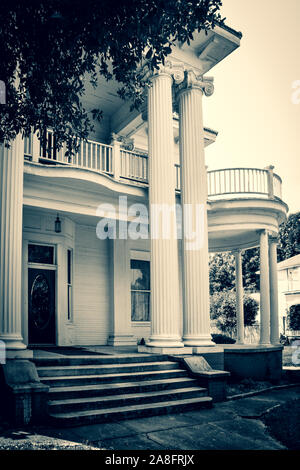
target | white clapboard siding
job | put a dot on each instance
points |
(91, 289)
(141, 330)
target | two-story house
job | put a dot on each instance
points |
(91, 251)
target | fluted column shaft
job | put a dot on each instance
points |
(264, 289)
(274, 324)
(239, 297)
(196, 320)
(11, 202)
(164, 253)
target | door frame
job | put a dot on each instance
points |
(45, 267)
(47, 241)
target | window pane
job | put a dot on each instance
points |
(41, 254)
(140, 275)
(69, 302)
(69, 267)
(140, 306)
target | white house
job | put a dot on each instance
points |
(288, 288)
(64, 283)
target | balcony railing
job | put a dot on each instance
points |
(91, 155)
(130, 166)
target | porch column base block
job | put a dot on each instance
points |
(205, 340)
(164, 350)
(19, 354)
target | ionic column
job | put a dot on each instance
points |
(274, 324)
(164, 254)
(264, 289)
(11, 207)
(196, 321)
(239, 296)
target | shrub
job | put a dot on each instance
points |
(223, 311)
(294, 317)
(222, 339)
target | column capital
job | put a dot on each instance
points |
(264, 231)
(273, 239)
(115, 137)
(192, 81)
(237, 251)
(174, 69)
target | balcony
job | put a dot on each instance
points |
(132, 167)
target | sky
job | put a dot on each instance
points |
(252, 107)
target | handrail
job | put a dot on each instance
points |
(131, 166)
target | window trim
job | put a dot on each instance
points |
(69, 285)
(138, 255)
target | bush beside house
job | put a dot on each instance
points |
(223, 311)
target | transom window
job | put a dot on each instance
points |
(140, 290)
(41, 254)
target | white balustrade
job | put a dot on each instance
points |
(133, 167)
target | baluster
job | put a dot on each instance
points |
(234, 176)
(215, 183)
(80, 154)
(147, 171)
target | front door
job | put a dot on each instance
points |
(41, 306)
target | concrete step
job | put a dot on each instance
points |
(62, 381)
(97, 403)
(101, 359)
(127, 412)
(95, 369)
(100, 390)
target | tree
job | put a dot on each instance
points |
(293, 317)
(48, 48)
(223, 311)
(250, 263)
(222, 271)
(289, 237)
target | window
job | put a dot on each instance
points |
(41, 254)
(140, 290)
(69, 282)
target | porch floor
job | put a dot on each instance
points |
(57, 351)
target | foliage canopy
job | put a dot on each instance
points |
(48, 47)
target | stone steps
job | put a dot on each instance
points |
(128, 412)
(89, 389)
(99, 369)
(130, 399)
(65, 380)
(60, 393)
(74, 360)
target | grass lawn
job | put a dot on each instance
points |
(283, 424)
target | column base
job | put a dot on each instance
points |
(12, 347)
(199, 341)
(164, 350)
(13, 341)
(165, 342)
